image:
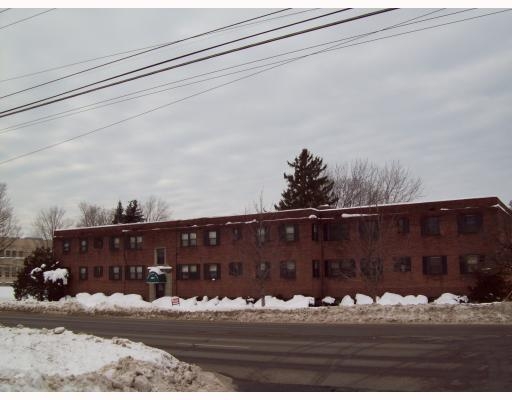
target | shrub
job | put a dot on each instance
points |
(489, 287)
(42, 278)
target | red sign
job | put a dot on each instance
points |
(175, 301)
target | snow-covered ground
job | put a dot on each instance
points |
(389, 308)
(59, 360)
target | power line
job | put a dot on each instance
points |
(17, 110)
(230, 82)
(155, 64)
(25, 19)
(139, 53)
(90, 107)
(137, 49)
(4, 10)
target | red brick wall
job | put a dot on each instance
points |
(449, 243)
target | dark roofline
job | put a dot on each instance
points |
(296, 214)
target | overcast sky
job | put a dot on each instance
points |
(439, 101)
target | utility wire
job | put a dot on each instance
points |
(222, 85)
(155, 64)
(134, 50)
(138, 54)
(111, 101)
(17, 110)
(4, 10)
(25, 19)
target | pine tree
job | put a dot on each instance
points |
(133, 213)
(308, 186)
(119, 214)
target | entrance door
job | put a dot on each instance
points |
(160, 290)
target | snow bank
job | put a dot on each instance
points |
(363, 299)
(448, 298)
(117, 300)
(6, 293)
(347, 301)
(328, 300)
(298, 301)
(391, 299)
(59, 360)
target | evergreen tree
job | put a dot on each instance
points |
(308, 186)
(133, 213)
(31, 280)
(119, 214)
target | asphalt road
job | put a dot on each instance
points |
(318, 357)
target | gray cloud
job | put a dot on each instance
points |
(438, 101)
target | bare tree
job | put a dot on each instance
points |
(255, 247)
(156, 209)
(363, 183)
(47, 221)
(9, 229)
(93, 215)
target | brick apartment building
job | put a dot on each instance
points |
(415, 248)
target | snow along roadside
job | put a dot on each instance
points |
(59, 360)
(491, 313)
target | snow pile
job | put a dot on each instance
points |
(328, 300)
(448, 298)
(298, 301)
(6, 293)
(117, 300)
(363, 299)
(392, 299)
(59, 360)
(347, 301)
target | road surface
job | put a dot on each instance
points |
(318, 357)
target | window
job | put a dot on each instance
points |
(340, 268)
(289, 232)
(115, 243)
(135, 272)
(403, 225)
(287, 270)
(82, 273)
(98, 272)
(211, 238)
(83, 245)
(235, 269)
(316, 269)
(187, 271)
(188, 239)
(314, 232)
(135, 242)
(434, 265)
(337, 231)
(430, 226)
(160, 256)
(471, 263)
(114, 273)
(369, 229)
(371, 268)
(14, 253)
(98, 243)
(7, 253)
(469, 223)
(262, 234)
(263, 270)
(237, 233)
(66, 246)
(402, 264)
(20, 254)
(211, 271)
